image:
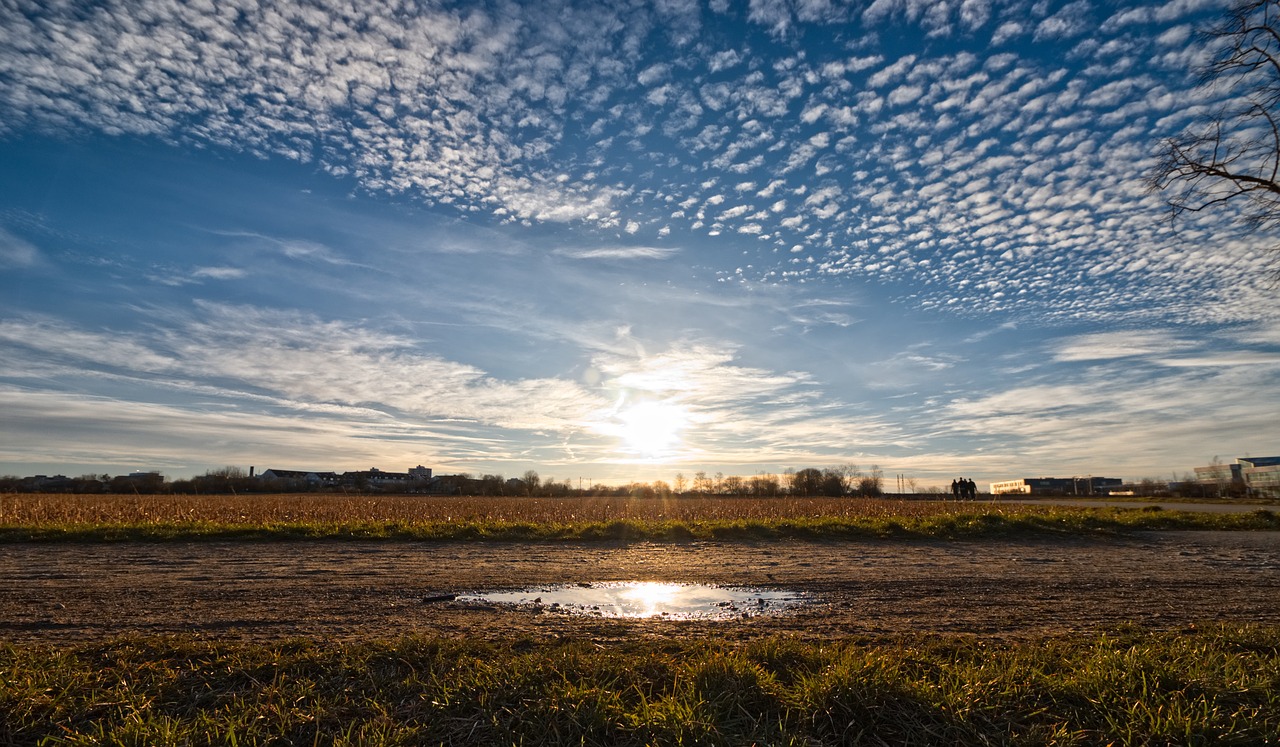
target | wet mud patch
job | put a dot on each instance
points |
(375, 589)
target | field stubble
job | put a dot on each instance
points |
(325, 508)
(123, 517)
(1023, 637)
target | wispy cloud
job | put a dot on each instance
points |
(219, 273)
(16, 252)
(259, 365)
(619, 252)
(1226, 358)
(1120, 344)
(73, 428)
(1110, 409)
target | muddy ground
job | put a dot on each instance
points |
(351, 590)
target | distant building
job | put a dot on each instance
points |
(418, 478)
(313, 478)
(1057, 486)
(1261, 475)
(376, 478)
(1219, 474)
(1248, 475)
(47, 483)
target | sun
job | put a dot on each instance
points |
(651, 429)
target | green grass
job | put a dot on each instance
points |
(1004, 522)
(1219, 685)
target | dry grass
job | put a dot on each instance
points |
(57, 509)
(27, 517)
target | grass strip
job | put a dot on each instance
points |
(977, 525)
(1217, 685)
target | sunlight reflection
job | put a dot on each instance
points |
(641, 599)
(650, 598)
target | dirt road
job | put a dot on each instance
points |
(273, 590)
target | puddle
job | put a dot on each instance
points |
(638, 599)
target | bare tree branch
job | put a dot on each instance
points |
(1232, 157)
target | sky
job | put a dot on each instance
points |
(617, 241)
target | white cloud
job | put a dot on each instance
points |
(619, 252)
(303, 361)
(774, 14)
(1120, 344)
(1113, 414)
(654, 74)
(60, 343)
(1225, 359)
(219, 273)
(489, 112)
(1071, 20)
(292, 387)
(972, 185)
(16, 252)
(724, 60)
(892, 72)
(736, 411)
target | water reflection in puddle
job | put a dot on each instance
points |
(636, 599)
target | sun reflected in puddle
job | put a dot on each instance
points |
(642, 599)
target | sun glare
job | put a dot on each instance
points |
(651, 597)
(651, 429)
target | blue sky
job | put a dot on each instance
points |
(618, 241)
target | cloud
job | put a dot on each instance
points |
(1157, 13)
(292, 248)
(736, 413)
(1006, 31)
(221, 79)
(723, 60)
(774, 14)
(1114, 345)
(1071, 20)
(61, 343)
(971, 182)
(472, 111)
(1223, 359)
(1143, 414)
(122, 434)
(301, 361)
(219, 273)
(292, 380)
(620, 252)
(16, 252)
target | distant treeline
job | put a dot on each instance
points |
(831, 482)
(846, 480)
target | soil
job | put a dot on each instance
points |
(267, 591)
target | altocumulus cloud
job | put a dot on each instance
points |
(971, 161)
(988, 181)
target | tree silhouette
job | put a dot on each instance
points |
(1231, 156)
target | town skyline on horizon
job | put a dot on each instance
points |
(620, 240)
(910, 483)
